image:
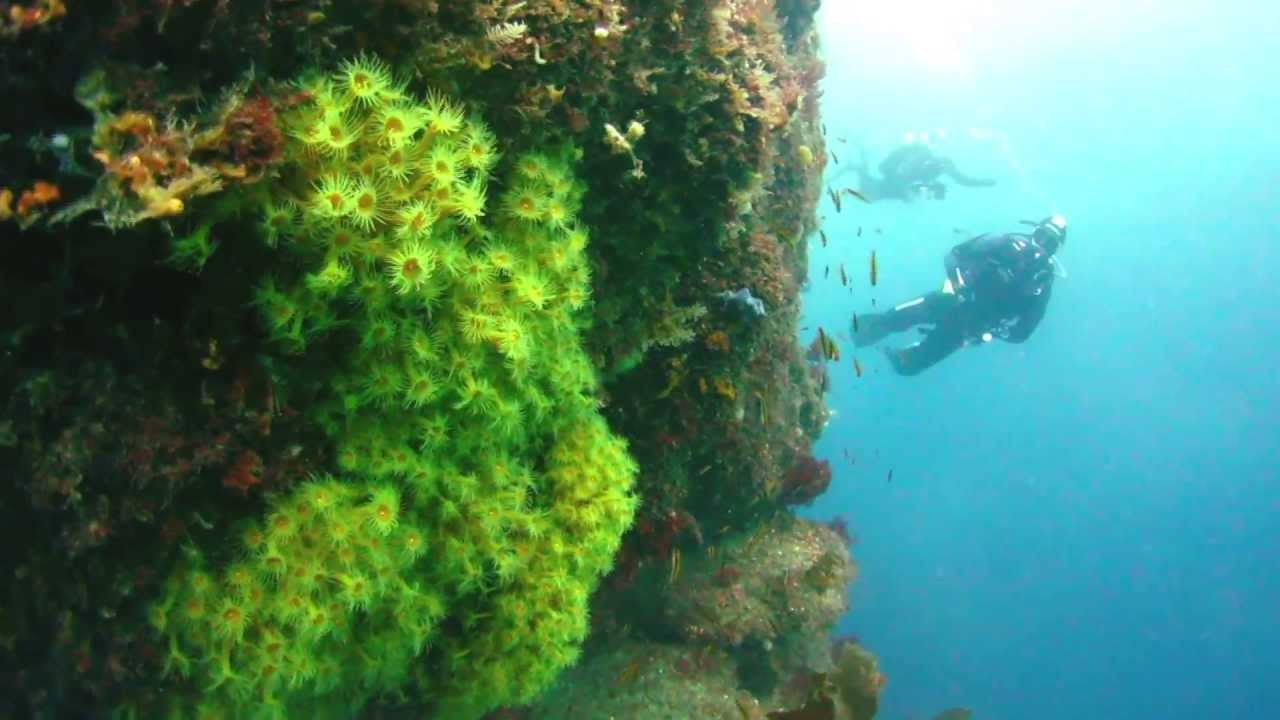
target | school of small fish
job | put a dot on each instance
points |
(824, 347)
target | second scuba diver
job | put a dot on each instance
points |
(912, 171)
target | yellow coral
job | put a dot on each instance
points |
(479, 148)
(441, 116)
(395, 125)
(456, 389)
(367, 81)
(526, 203)
(410, 267)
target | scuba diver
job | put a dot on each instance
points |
(997, 286)
(911, 171)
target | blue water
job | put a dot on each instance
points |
(1086, 525)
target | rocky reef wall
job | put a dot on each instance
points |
(375, 356)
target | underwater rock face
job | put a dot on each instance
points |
(396, 296)
(639, 680)
(752, 623)
(787, 577)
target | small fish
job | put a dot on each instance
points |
(834, 159)
(629, 673)
(859, 231)
(835, 198)
(875, 269)
(858, 195)
(214, 358)
(829, 348)
(827, 273)
(822, 384)
(879, 231)
(822, 234)
(824, 129)
(890, 478)
(675, 560)
(873, 302)
(844, 278)
(857, 367)
(855, 322)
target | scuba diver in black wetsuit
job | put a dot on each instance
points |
(909, 172)
(997, 286)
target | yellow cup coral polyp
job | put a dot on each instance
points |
(367, 81)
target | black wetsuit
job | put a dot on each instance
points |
(1001, 284)
(910, 169)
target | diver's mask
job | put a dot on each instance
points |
(1051, 233)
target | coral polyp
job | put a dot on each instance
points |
(367, 81)
(395, 125)
(442, 116)
(334, 198)
(410, 267)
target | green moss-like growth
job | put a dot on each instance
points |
(477, 496)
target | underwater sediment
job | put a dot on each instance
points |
(363, 357)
